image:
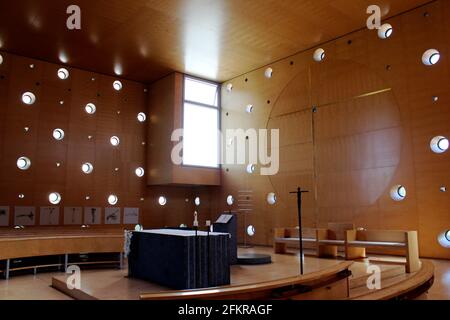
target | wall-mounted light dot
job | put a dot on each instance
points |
(118, 112)
(142, 199)
(140, 172)
(141, 117)
(117, 85)
(61, 102)
(23, 163)
(116, 169)
(251, 168)
(444, 239)
(249, 108)
(439, 144)
(58, 134)
(58, 164)
(63, 73)
(88, 198)
(21, 196)
(443, 189)
(1, 59)
(435, 98)
(230, 200)
(90, 137)
(162, 201)
(115, 141)
(31, 66)
(431, 57)
(398, 193)
(26, 129)
(271, 198)
(385, 31)
(28, 98)
(197, 201)
(268, 73)
(447, 235)
(229, 87)
(143, 143)
(251, 231)
(87, 168)
(319, 55)
(113, 199)
(90, 108)
(54, 198)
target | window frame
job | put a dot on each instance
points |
(219, 122)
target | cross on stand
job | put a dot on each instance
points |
(299, 193)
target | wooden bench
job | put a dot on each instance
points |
(289, 237)
(358, 240)
(330, 239)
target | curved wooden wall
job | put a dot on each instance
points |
(372, 130)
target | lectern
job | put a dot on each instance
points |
(227, 223)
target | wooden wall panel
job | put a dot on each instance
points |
(374, 119)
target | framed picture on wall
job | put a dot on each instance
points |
(112, 216)
(24, 216)
(73, 215)
(92, 215)
(131, 216)
(49, 216)
(4, 216)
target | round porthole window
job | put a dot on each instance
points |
(230, 200)
(319, 55)
(251, 231)
(28, 98)
(141, 117)
(398, 193)
(63, 73)
(385, 31)
(140, 172)
(439, 144)
(87, 168)
(23, 163)
(268, 73)
(113, 199)
(271, 198)
(431, 57)
(444, 239)
(115, 141)
(117, 85)
(58, 134)
(197, 201)
(54, 198)
(249, 108)
(90, 108)
(229, 87)
(447, 235)
(162, 201)
(251, 168)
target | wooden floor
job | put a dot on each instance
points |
(113, 284)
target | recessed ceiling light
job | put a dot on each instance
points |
(54, 198)
(115, 141)
(140, 172)
(319, 55)
(90, 108)
(113, 199)
(63, 73)
(23, 163)
(28, 98)
(385, 31)
(431, 57)
(117, 85)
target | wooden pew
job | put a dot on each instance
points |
(289, 237)
(358, 240)
(328, 240)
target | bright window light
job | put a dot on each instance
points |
(201, 92)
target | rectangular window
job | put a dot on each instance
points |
(201, 123)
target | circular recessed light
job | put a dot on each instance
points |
(443, 189)
(63, 73)
(251, 231)
(398, 193)
(54, 198)
(447, 235)
(385, 31)
(249, 108)
(21, 196)
(229, 87)
(140, 172)
(268, 73)
(117, 85)
(162, 201)
(1, 59)
(31, 66)
(444, 239)
(197, 201)
(58, 134)
(271, 198)
(28, 98)
(431, 57)
(251, 168)
(141, 117)
(90, 108)
(23, 163)
(319, 55)
(230, 200)
(113, 199)
(439, 144)
(87, 168)
(138, 227)
(115, 141)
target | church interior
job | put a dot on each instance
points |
(166, 150)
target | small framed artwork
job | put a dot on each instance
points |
(49, 216)
(24, 216)
(112, 215)
(92, 215)
(73, 215)
(131, 216)
(4, 216)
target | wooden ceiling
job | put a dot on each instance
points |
(144, 40)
